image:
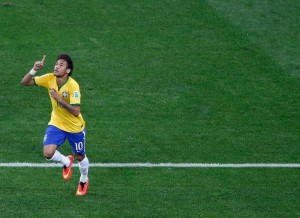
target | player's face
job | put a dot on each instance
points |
(60, 68)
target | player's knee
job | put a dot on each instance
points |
(49, 151)
(48, 154)
(79, 157)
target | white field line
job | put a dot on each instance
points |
(173, 165)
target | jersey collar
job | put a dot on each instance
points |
(59, 87)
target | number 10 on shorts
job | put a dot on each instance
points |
(79, 146)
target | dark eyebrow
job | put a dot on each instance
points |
(61, 63)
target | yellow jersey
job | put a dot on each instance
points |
(70, 92)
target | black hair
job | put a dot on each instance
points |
(69, 61)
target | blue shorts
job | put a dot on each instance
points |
(54, 135)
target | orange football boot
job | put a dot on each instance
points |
(82, 188)
(67, 171)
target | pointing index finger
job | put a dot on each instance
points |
(44, 57)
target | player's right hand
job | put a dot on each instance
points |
(39, 64)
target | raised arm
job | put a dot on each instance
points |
(27, 79)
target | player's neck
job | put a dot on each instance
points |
(61, 80)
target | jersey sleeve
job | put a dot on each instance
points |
(75, 94)
(42, 80)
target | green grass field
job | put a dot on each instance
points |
(161, 82)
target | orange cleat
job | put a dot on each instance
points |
(67, 171)
(82, 188)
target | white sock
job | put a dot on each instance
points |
(58, 157)
(84, 169)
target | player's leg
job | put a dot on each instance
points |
(53, 139)
(83, 163)
(49, 151)
(77, 142)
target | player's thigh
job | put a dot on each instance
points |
(53, 139)
(54, 136)
(77, 142)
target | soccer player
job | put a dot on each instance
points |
(66, 120)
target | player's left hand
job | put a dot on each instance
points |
(54, 94)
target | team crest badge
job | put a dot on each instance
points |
(65, 94)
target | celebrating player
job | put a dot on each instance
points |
(66, 120)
